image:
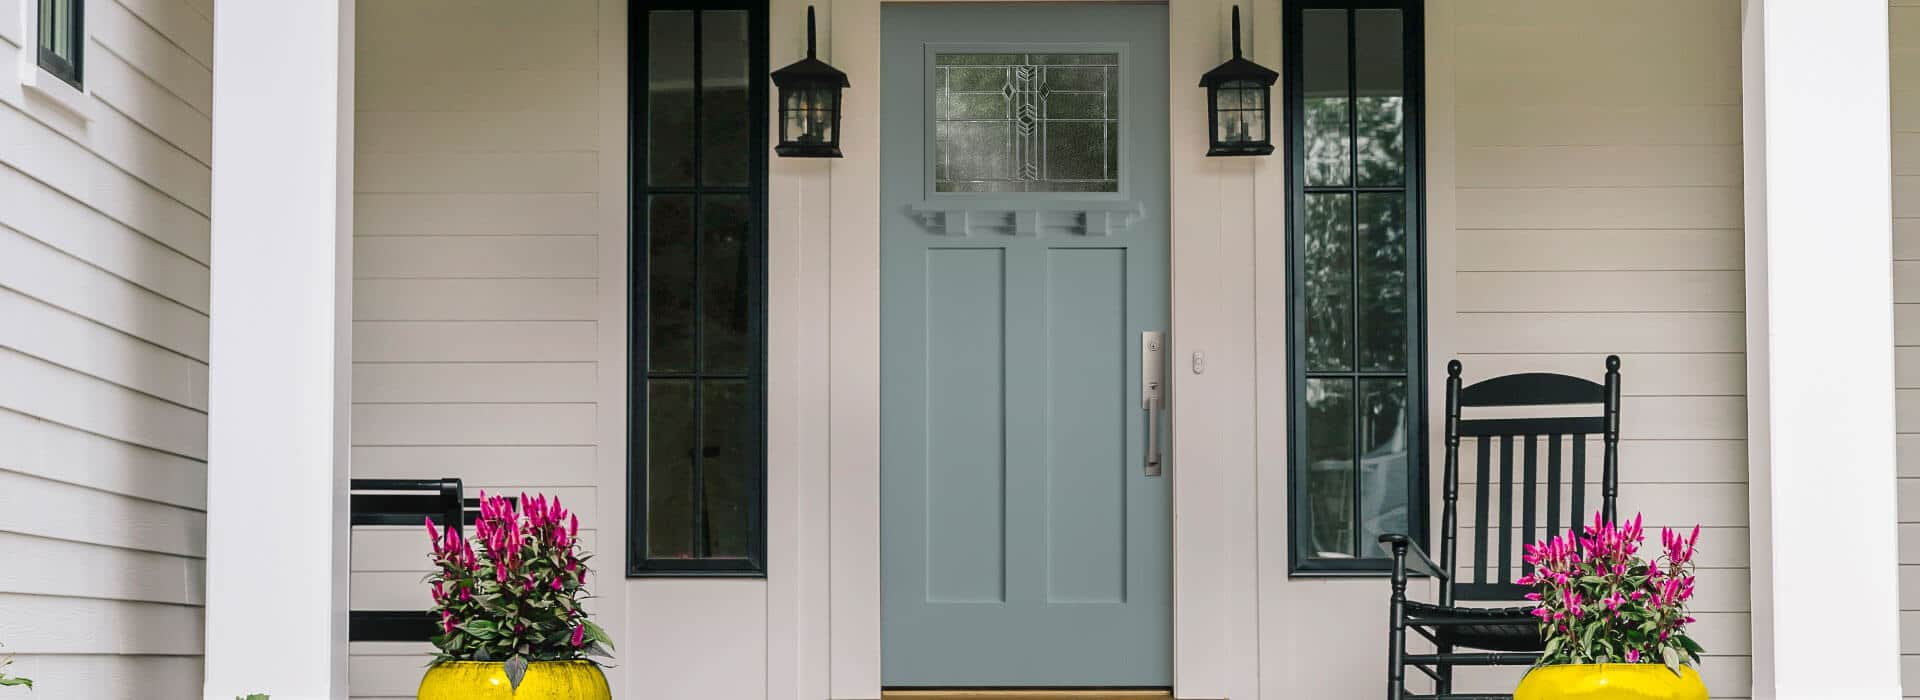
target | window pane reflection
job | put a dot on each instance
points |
(1380, 81)
(1324, 84)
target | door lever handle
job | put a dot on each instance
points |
(1153, 382)
(1153, 436)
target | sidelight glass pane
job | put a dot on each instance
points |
(1327, 133)
(1384, 438)
(48, 19)
(1026, 122)
(726, 135)
(1383, 281)
(670, 280)
(727, 448)
(724, 229)
(670, 123)
(1328, 527)
(670, 468)
(1328, 263)
(1358, 341)
(1380, 80)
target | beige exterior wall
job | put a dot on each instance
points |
(478, 238)
(1904, 38)
(104, 242)
(1585, 199)
(1597, 190)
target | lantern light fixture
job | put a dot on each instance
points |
(1239, 104)
(809, 104)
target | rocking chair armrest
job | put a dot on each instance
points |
(1399, 546)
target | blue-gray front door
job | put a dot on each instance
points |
(1024, 254)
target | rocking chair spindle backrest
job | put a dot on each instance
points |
(1563, 439)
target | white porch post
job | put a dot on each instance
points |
(1820, 350)
(281, 349)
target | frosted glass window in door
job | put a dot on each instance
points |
(1026, 122)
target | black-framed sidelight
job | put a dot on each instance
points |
(61, 38)
(697, 216)
(1356, 336)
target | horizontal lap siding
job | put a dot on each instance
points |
(103, 358)
(1904, 64)
(476, 266)
(1598, 186)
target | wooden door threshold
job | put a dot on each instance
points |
(1033, 694)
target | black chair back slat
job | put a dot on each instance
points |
(1518, 476)
(1481, 496)
(398, 509)
(1484, 591)
(1531, 493)
(391, 626)
(1553, 486)
(1533, 389)
(1506, 510)
(1495, 427)
(1579, 481)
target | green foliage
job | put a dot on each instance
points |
(6, 680)
(255, 696)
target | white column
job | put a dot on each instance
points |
(281, 349)
(1820, 350)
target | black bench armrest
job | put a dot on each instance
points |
(1399, 546)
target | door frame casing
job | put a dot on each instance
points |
(823, 609)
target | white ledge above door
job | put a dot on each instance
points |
(959, 217)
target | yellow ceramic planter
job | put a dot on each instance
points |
(545, 680)
(1610, 682)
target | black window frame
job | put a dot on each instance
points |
(639, 564)
(68, 71)
(1414, 187)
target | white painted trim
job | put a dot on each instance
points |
(281, 343)
(1214, 286)
(798, 423)
(1753, 90)
(37, 81)
(610, 585)
(1820, 336)
(853, 360)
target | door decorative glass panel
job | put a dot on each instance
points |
(1026, 122)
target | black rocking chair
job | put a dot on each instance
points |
(1501, 636)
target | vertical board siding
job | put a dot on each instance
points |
(1904, 66)
(1598, 181)
(476, 277)
(103, 358)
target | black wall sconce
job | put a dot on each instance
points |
(809, 105)
(1239, 104)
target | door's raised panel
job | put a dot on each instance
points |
(1086, 361)
(966, 417)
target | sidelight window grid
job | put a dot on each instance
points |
(1350, 188)
(61, 37)
(678, 176)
